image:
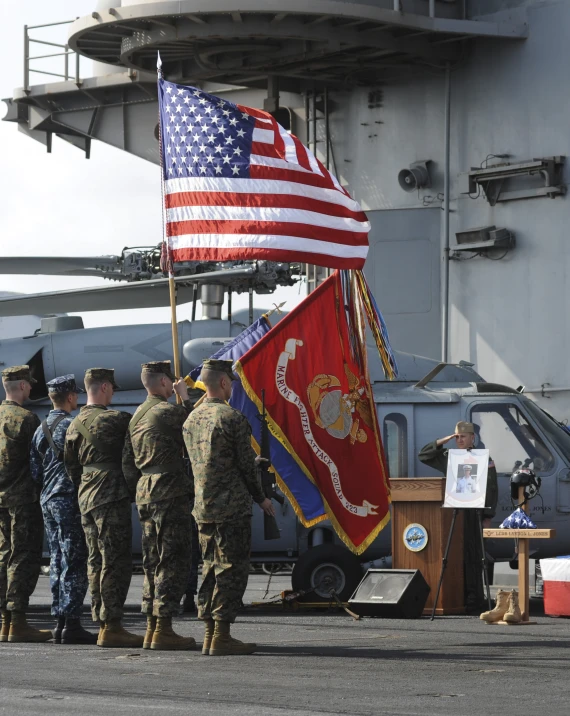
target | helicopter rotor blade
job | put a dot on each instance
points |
(62, 266)
(140, 294)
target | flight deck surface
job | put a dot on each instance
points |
(308, 663)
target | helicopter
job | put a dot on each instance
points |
(426, 400)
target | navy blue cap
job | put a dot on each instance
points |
(64, 384)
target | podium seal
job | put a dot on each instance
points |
(415, 537)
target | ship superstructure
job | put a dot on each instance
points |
(446, 120)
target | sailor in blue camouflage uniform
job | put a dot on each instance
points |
(62, 519)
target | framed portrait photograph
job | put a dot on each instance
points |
(466, 481)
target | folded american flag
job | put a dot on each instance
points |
(238, 186)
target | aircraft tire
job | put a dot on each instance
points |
(323, 568)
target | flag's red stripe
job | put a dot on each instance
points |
(198, 254)
(322, 166)
(279, 228)
(278, 146)
(258, 171)
(279, 143)
(265, 150)
(301, 153)
(254, 112)
(328, 174)
(280, 201)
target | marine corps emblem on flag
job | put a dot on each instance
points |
(320, 408)
(340, 413)
(281, 382)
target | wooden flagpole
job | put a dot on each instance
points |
(176, 352)
(166, 251)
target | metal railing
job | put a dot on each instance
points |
(66, 54)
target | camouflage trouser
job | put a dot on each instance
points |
(166, 548)
(225, 550)
(68, 563)
(473, 556)
(108, 534)
(192, 585)
(21, 537)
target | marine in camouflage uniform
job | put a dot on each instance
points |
(21, 524)
(189, 604)
(435, 456)
(154, 450)
(62, 519)
(226, 482)
(95, 466)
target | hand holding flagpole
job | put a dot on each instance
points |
(172, 290)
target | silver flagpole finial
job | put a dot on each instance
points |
(159, 64)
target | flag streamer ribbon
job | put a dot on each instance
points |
(358, 303)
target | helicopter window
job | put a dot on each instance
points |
(39, 389)
(556, 432)
(510, 439)
(396, 444)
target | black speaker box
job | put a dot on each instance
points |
(392, 593)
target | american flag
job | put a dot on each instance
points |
(238, 186)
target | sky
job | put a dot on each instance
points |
(61, 204)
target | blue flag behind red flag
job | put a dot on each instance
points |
(302, 493)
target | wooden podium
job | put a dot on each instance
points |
(419, 500)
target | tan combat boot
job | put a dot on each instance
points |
(209, 627)
(513, 614)
(115, 636)
(225, 645)
(166, 639)
(5, 630)
(22, 633)
(101, 630)
(498, 612)
(150, 627)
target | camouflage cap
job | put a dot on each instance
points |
(64, 384)
(462, 427)
(222, 366)
(102, 374)
(18, 372)
(159, 366)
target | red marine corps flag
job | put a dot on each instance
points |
(312, 365)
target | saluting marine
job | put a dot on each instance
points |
(93, 460)
(435, 455)
(21, 524)
(218, 440)
(154, 450)
(62, 519)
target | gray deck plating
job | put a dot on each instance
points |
(307, 664)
